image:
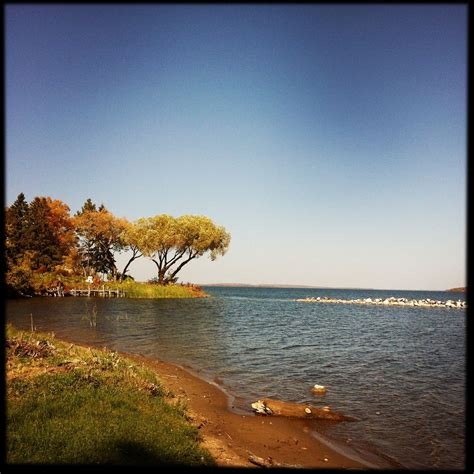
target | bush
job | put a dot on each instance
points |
(18, 282)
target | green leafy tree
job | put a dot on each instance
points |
(88, 206)
(171, 243)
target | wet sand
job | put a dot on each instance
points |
(234, 439)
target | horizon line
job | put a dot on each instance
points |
(281, 285)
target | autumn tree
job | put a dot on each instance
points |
(40, 238)
(100, 235)
(62, 226)
(171, 243)
(43, 237)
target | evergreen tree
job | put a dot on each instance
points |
(100, 235)
(88, 206)
(40, 237)
(16, 225)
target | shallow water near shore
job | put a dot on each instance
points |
(400, 371)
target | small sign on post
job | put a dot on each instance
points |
(89, 280)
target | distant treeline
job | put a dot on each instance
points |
(41, 237)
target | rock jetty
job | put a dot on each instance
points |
(426, 303)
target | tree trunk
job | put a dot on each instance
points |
(134, 257)
(299, 410)
(161, 271)
(126, 268)
(161, 277)
(173, 275)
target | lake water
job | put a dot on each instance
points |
(399, 370)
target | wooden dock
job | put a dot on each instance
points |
(96, 292)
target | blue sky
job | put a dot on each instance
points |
(330, 141)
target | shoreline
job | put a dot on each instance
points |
(239, 380)
(232, 437)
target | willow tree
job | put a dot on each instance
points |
(131, 240)
(171, 243)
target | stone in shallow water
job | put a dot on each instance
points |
(318, 389)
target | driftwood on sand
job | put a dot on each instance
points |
(280, 408)
(269, 462)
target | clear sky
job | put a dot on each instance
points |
(330, 141)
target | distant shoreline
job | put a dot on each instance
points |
(264, 285)
(248, 285)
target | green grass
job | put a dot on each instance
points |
(68, 404)
(134, 289)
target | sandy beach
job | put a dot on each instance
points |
(237, 440)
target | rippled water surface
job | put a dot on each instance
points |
(399, 371)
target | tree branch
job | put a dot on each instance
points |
(135, 255)
(183, 264)
(175, 258)
(157, 264)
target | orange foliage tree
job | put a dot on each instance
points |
(62, 226)
(100, 234)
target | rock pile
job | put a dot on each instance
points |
(427, 303)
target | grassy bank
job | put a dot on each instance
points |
(134, 289)
(44, 283)
(69, 404)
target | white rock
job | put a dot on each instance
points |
(261, 408)
(318, 389)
